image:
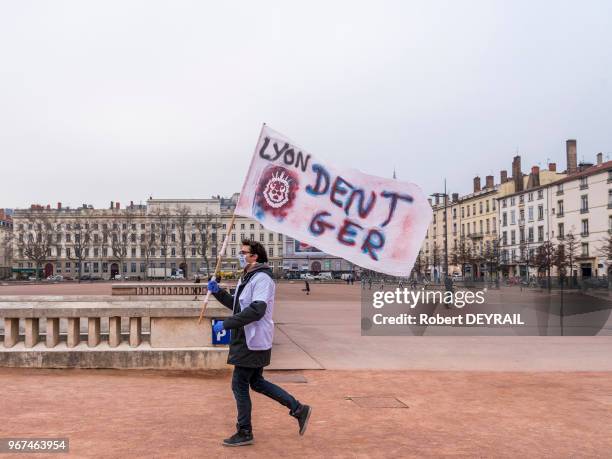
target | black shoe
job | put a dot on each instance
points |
(302, 415)
(241, 438)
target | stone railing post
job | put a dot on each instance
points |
(52, 337)
(93, 331)
(31, 331)
(114, 331)
(74, 331)
(135, 331)
(11, 331)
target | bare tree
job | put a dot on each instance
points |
(571, 253)
(182, 218)
(121, 237)
(461, 254)
(6, 243)
(37, 239)
(81, 243)
(148, 244)
(206, 237)
(605, 251)
(163, 219)
(560, 262)
(545, 259)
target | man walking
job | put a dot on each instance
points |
(251, 343)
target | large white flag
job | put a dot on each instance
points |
(374, 222)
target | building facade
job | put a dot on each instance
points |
(174, 234)
(6, 233)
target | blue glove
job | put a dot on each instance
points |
(212, 286)
(218, 327)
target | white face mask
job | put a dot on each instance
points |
(242, 260)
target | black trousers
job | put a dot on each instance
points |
(245, 377)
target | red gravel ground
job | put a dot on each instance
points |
(109, 413)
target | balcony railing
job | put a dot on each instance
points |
(584, 210)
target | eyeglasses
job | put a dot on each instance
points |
(242, 252)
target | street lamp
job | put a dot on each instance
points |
(444, 196)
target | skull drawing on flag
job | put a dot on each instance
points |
(275, 191)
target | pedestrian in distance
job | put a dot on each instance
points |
(306, 287)
(251, 340)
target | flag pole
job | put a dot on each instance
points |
(227, 237)
(218, 267)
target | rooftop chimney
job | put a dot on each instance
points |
(48, 206)
(112, 204)
(503, 176)
(476, 184)
(599, 159)
(552, 167)
(455, 197)
(535, 176)
(437, 199)
(131, 203)
(59, 205)
(517, 175)
(490, 183)
(117, 205)
(572, 160)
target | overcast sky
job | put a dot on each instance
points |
(120, 100)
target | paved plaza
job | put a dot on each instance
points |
(390, 396)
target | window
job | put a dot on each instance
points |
(521, 199)
(530, 234)
(585, 227)
(242, 226)
(261, 237)
(512, 200)
(540, 212)
(540, 233)
(530, 196)
(504, 219)
(193, 252)
(271, 251)
(493, 202)
(280, 237)
(560, 188)
(233, 251)
(133, 251)
(504, 238)
(584, 203)
(610, 199)
(560, 230)
(173, 252)
(512, 237)
(530, 213)
(252, 226)
(480, 206)
(540, 194)
(270, 237)
(585, 249)
(512, 217)
(233, 237)
(132, 267)
(584, 184)
(559, 208)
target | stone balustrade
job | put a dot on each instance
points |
(158, 288)
(109, 332)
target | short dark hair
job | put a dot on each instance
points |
(256, 249)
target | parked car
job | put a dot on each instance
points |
(307, 276)
(55, 278)
(323, 276)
